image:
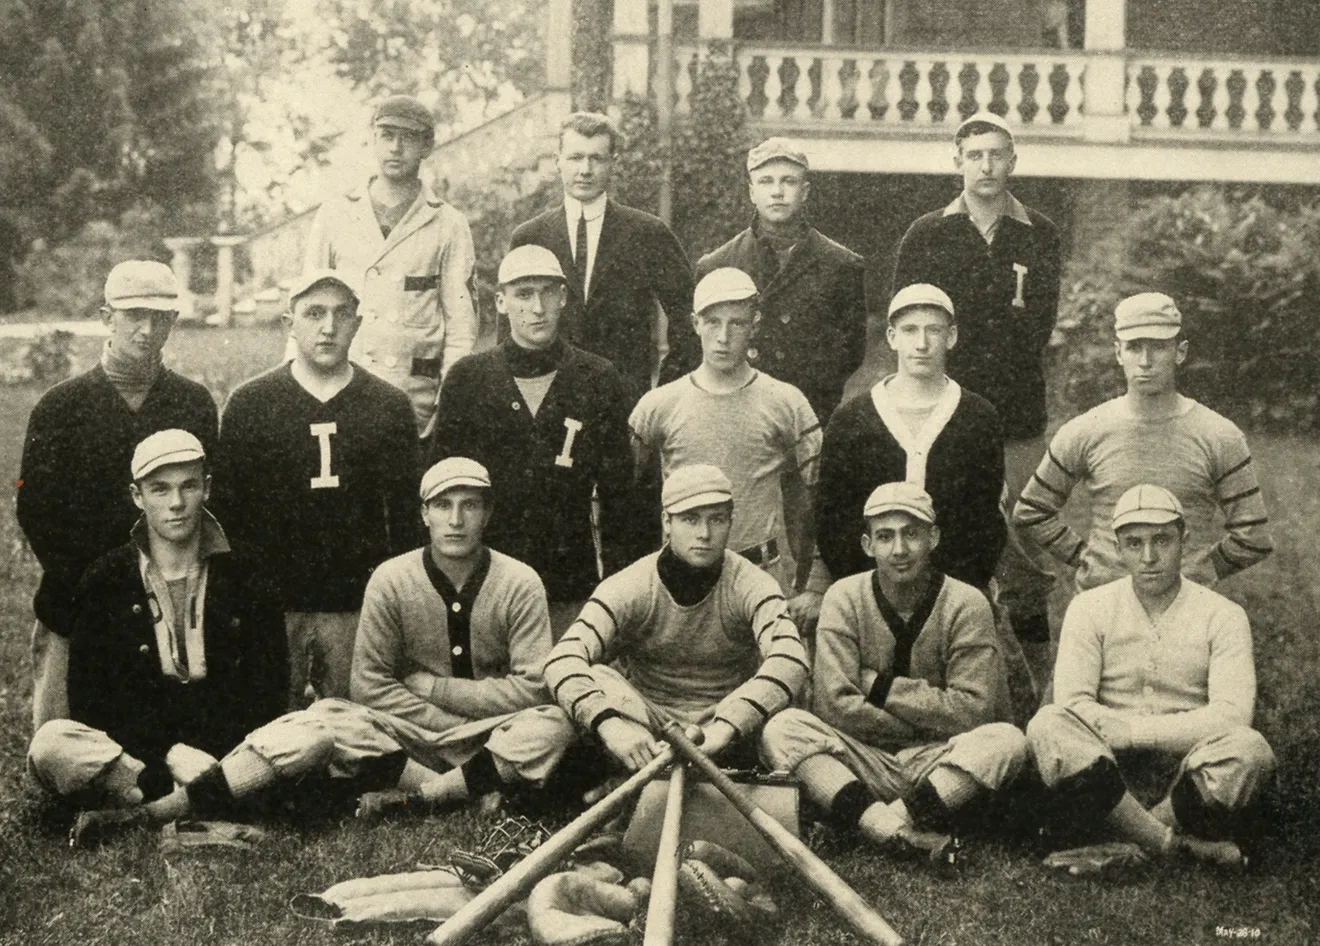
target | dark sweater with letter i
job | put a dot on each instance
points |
(329, 489)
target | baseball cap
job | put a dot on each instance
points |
(1147, 504)
(776, 148)
(725, 284)
(404, 111)
(163, 448)
(309, 280)
(920, 294)
(969, 126)
(451, 473)
(900, 497)
(697, 485)
(524, 262)
(1147, 315)
(142, 284)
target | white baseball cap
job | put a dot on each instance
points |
(309, 279)
(967, 127)
(451, 473)
(920, 294)
(525, 262)
(700, 484)
(1147, 504)
(725, 284)
(163, 448)
(900, 497)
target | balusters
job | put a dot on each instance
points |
(831, 88)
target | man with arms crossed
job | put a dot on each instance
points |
(910, 694)
(702, 634)
(1154, 675)
(757, 429)
(1000, 262)
(550, 422)
(177, 652)
(812, 299)
(621, 262)
(1151, 434)
(412, 255)
(73, 491)
(319, 462)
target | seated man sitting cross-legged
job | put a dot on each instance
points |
(910, 695)
(1154, 682)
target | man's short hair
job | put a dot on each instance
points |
(591, 124)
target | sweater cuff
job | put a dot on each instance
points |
(603, 715)
(880, 690)
(739, 714)
(1145, 733)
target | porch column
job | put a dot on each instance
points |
(1105, 118)
(224, 276)
(714, 20)
(632, 28)
(559, 45)
(181, 250)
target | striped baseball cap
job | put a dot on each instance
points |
(163, 448)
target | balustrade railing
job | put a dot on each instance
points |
(1256, 98)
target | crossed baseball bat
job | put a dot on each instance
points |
(519, 880)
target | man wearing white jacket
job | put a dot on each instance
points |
(412, 256)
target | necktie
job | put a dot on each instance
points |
(580, 257)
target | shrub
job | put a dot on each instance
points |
(1246, 276)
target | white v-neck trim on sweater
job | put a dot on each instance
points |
(915, 446)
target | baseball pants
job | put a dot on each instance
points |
(1226, 769)
(50, 674)
(992, 754)
(67, 757)
(320, 653)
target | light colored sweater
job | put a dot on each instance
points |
(736, 649)
(1201, 457)
(955, 681)
(1176, 681)
(402, 635)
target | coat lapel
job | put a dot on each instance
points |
(606, 250)
(424, 209)
(799, 263)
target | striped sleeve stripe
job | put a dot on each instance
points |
(755, 705)
(788, 693)
(1040, 507)
(785, 637)
(1238, 563)
(1063, 530)
(572, 709)
(604, 607)
(792, 659)
(1055, 460)
(1036, 478)
(591, 627)
(809, 431)
(1241, 466)
(766, 600)
(554, 660)
(572, 676)
(809, 460)
(1035, 519)
(1240, 496)
(1247, 523)
(1257, 549)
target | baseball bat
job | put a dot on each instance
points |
(664, 882)
(522, 877)
(845, 901)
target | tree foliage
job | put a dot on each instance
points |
(1245, 273)
(104, 105)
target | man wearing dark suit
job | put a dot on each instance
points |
(813, 325)
(620, 262)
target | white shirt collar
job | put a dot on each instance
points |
(591, 209)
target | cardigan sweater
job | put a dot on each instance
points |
(73, 502)
(404, 635)
(1006, 296)
(954, 681)
(333, 485)
(736, 649)
(964, 476)
(1177, 680)
(115, 679)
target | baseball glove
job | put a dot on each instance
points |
(723, 889)
(1098, 859)
(504, 844)
(184, 836)
(574, 909)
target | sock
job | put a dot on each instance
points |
(925, 807)
(1137, 824)
(1197, 815)
(246, 771)
(451, 786)
(883, 821)
(171, 807)
(480, 776)
(954, 787)
(825, 776)
(848, 805)
(208, 795)
(414, 776)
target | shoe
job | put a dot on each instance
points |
(1099, 860)
(1225, 855)
(943, 851)
(377, 806)
(92, 827)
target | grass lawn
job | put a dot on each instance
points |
(127, 892)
